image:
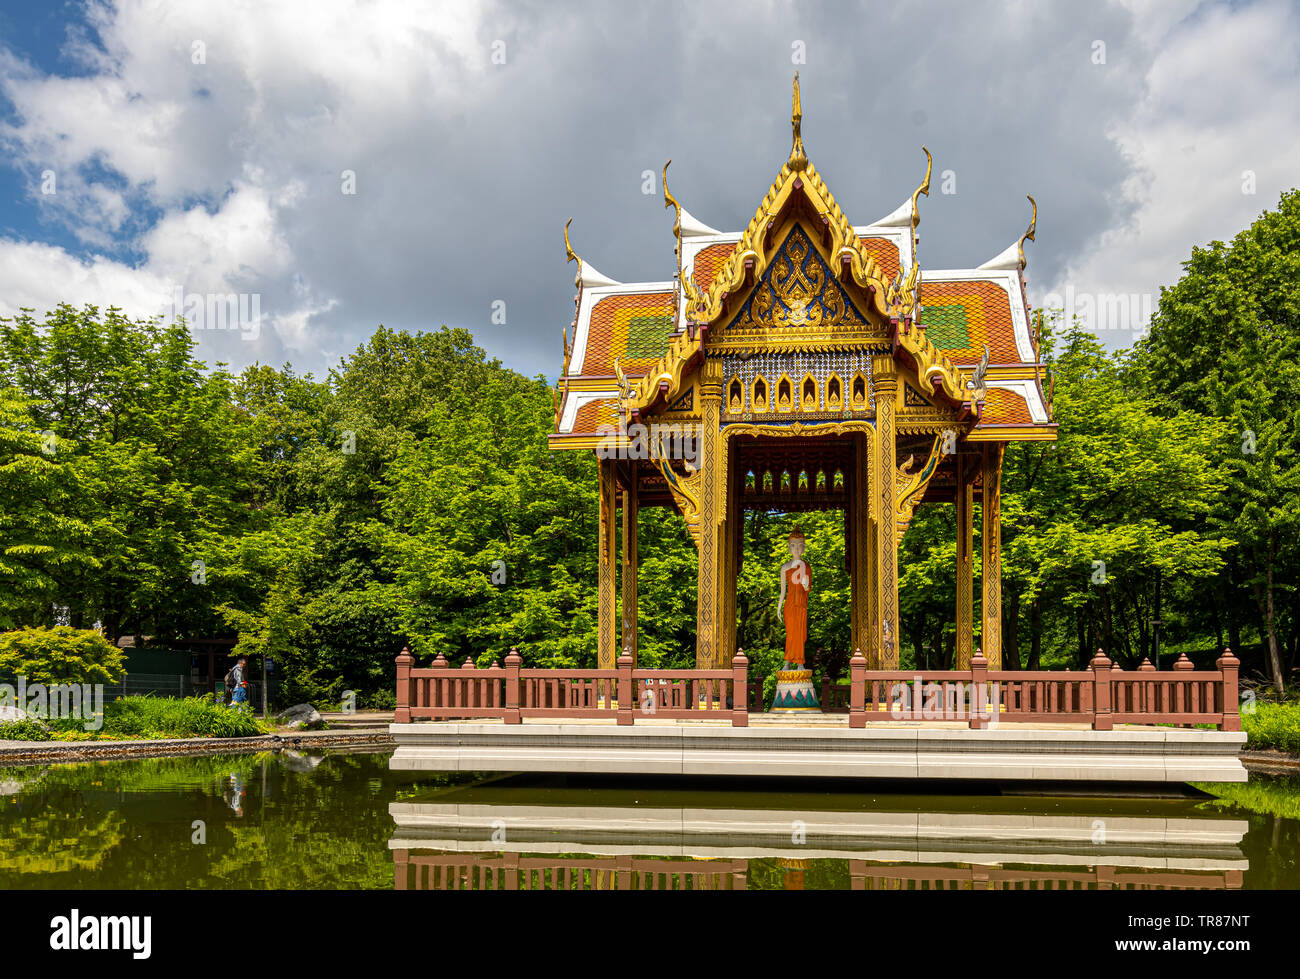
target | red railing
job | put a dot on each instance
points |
(439, 692)
(1100, 696)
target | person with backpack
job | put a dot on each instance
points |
(236, 684)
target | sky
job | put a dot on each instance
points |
(338, 164)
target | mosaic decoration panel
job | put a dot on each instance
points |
(797, 290)
(821, 365)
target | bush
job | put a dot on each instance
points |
(157, 717)
(382, 700)
(60, 655)
(1274, 726)
(27, 730)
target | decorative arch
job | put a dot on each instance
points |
(834, 393)
(809, 399)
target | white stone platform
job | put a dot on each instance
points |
(826, 748)
(1036, 837)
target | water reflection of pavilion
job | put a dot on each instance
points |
(429, 871)
(474, 839)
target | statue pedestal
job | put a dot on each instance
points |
(795, 693)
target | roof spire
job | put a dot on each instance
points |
(587, 274)
(923, 189)
(1029, 232)
(798, 159)
(570, 255)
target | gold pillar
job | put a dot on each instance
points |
(607, 638)
(965, 503)
(991, 556)
(871, 649)
(631, 507)
(732, 542)
(885, 380)
(858, 543)
(713, 479)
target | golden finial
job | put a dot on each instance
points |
(571, 255)
(923, 189)
(1029, 233)
(671, 201)
(798, 159)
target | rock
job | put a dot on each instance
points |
(303, 717)
(296, 761)
(11, 713)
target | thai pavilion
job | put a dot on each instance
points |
(803, 363)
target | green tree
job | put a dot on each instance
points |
(1226, 343)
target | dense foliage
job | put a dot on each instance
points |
(410, 497)
(59, 655)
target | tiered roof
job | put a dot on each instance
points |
(945, 320)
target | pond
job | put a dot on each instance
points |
(343, 820)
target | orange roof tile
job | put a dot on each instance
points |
(635, 328)
(708, 261)
(885, 252)
(1002, 407)
(594, 414)
(961, 317)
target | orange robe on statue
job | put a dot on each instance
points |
(796, 612)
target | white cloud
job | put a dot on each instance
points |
(225, 176)
(1219, 99)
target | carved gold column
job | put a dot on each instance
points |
(631, 505)
(607, 639)
(713, 481)
(732, 540)
(885, 380)
(859, 504)
(965, 503)
(871, 650)
(991, 542)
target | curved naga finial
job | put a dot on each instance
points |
(671, 201)
(570, 255)
(798, 158)
(976, 384)
(1029, 232)
(624, 385)
(923, 189)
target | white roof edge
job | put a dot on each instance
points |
(1028, 390)
(1008, 258)
(589, 277)
(693, 227)
(575, 400)
(899, 217)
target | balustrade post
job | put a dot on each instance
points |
(438, 686)
(1148, 689)
(1184, 663)
(740, 690)
(1101, 677)
(1228, 666)
(513, 662)
(404, 660)
(979, 680)
(469, 691)
(626, 693)
(858, 690)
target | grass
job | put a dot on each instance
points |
(148, 717)
(1269, 796)
(1272, 726)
